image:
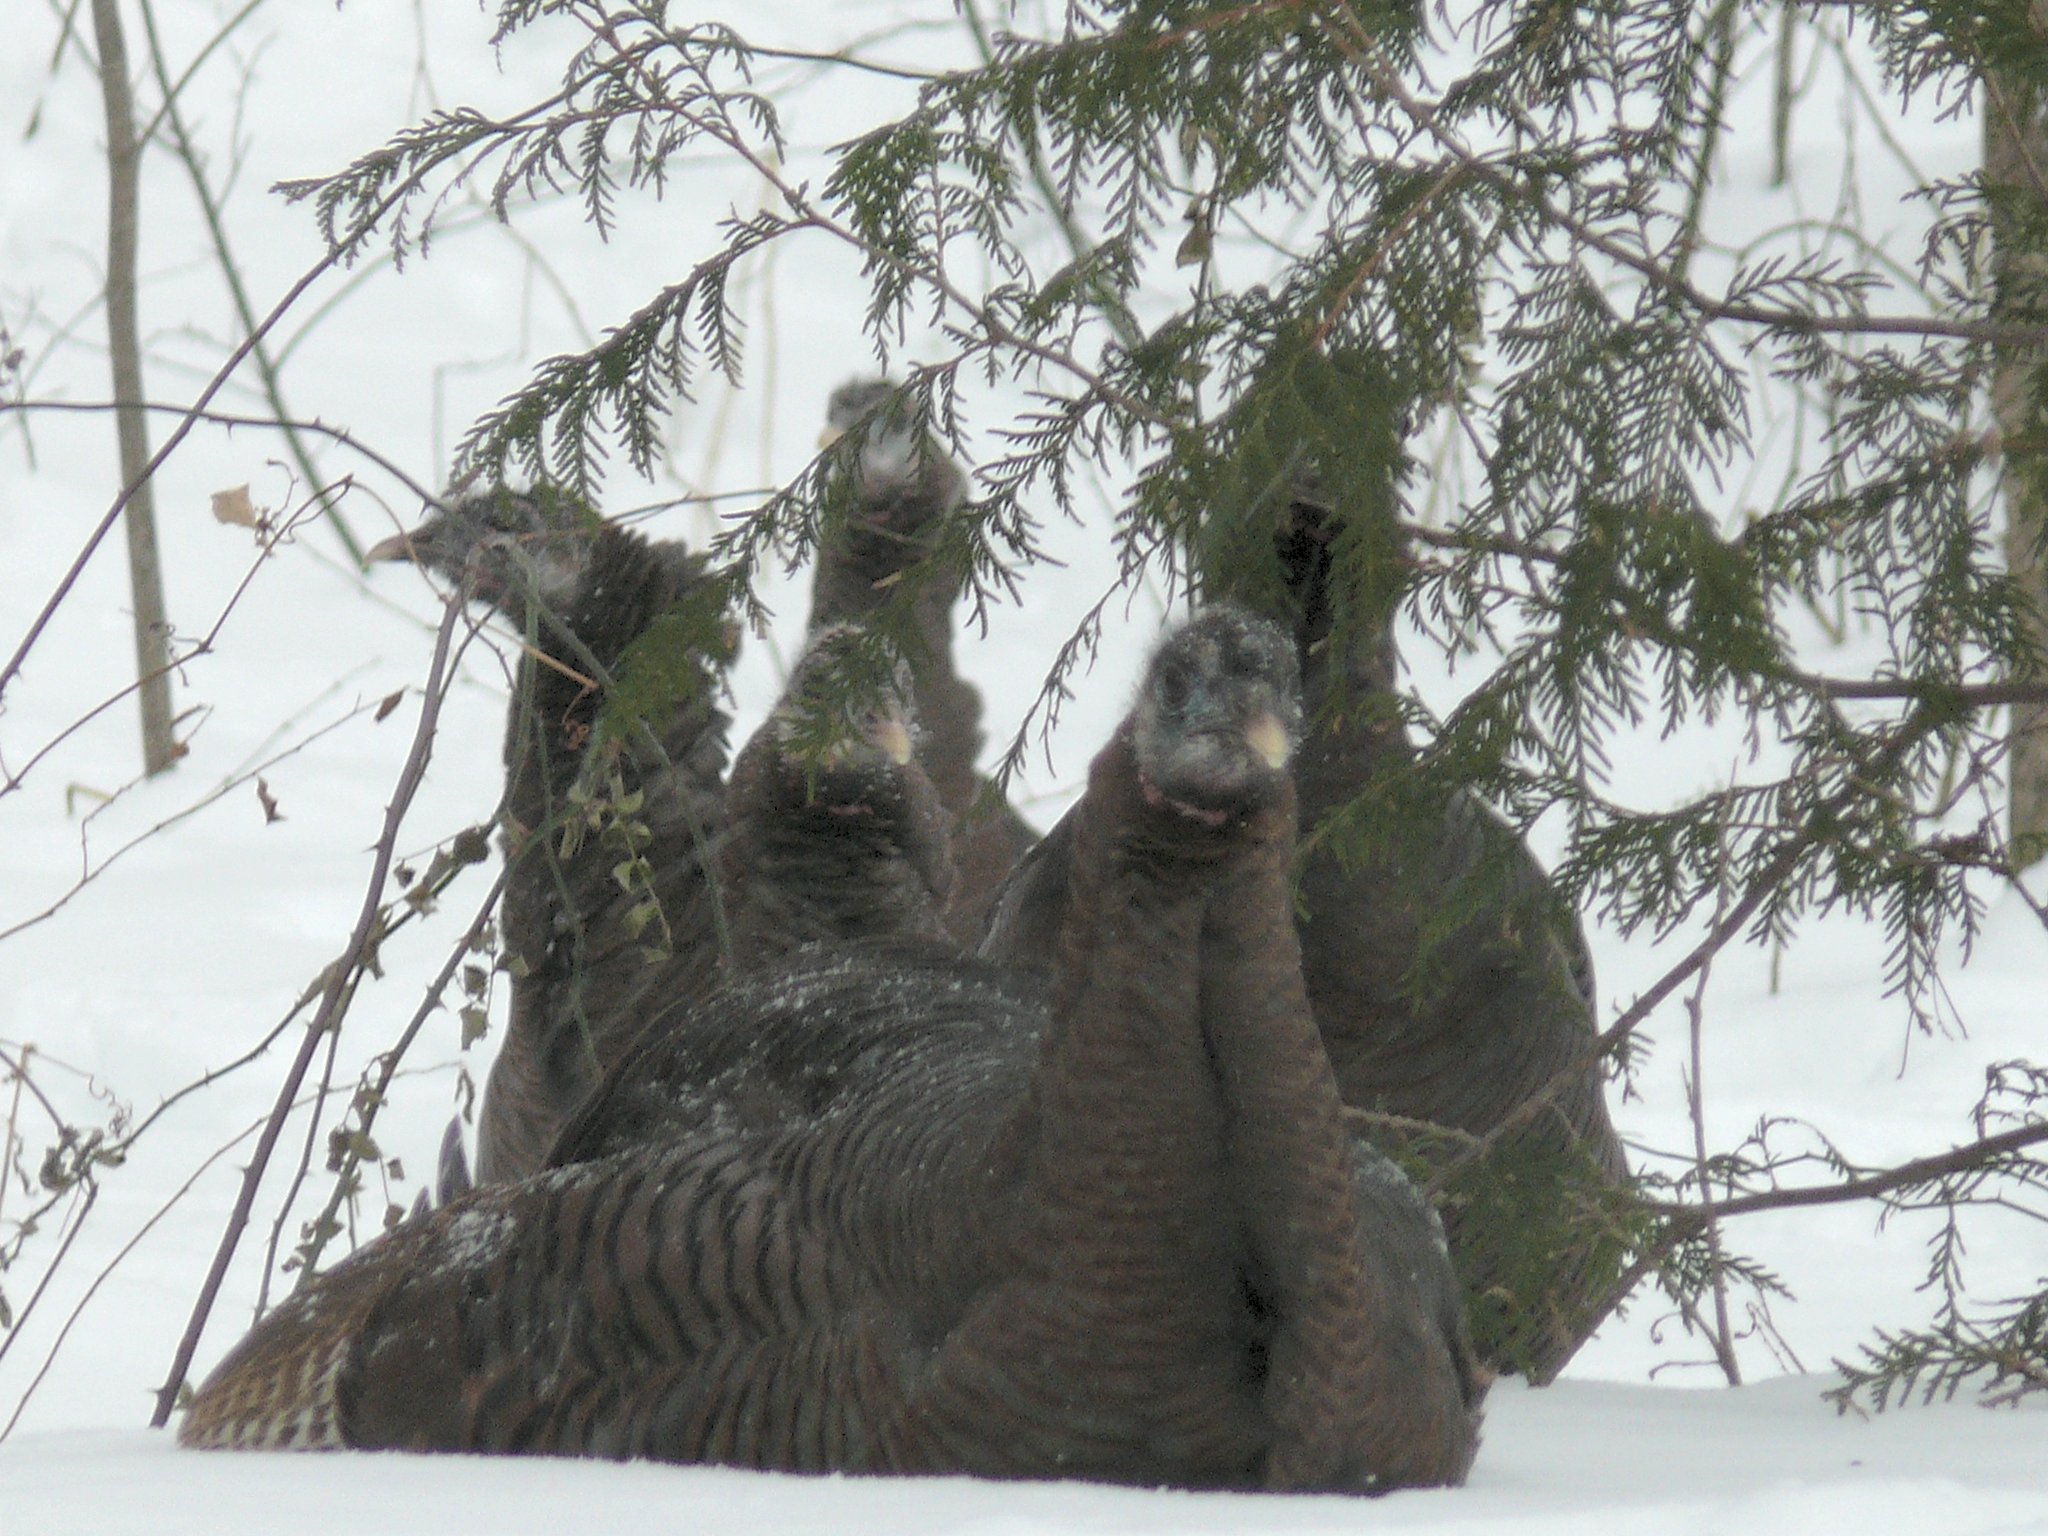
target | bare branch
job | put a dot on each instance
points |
(340, 979)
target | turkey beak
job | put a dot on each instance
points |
(1268, 737)
(397, 547)
(889, 734)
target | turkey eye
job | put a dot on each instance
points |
(1173, 688)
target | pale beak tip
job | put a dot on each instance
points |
(1268, 737)
(397, 547)
(892, 739)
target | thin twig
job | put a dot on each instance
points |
(340, 976)
(201, 647)
(188, 419)
(19, 1071)
(231, 273)
(202, 414)
(388, 1063)
(1689, 1218)
(1721, 1336)
(321, 1090)
(113, 1264)
(71, 1231)
(225, 788)
(120, 1149)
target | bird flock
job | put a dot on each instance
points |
(844, 1123)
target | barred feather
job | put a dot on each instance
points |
(883, 1208)
(1505, 1003)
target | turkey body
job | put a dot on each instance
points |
(885, 1208)
(1449, 982)
(587, 956)
(905, 485)
(1453, 986)
(840, 837)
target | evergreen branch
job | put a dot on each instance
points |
(630, 370)
(1940, 692)
(1762, 887)
(1685, 1222)
(1085, 255)
(1359, 48)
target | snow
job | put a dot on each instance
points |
(1579, 1456)
(177, 956)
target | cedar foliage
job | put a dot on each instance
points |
(1485, 225)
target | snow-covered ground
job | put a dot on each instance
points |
(178, 955)
(1580, 1457)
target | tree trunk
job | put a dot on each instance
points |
(2016, 165)
(124, 345)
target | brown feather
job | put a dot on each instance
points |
(876, 1209)
(906, 487)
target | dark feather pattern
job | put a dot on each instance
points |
(1503, 1004)
(587, 957)
(1455, 1023)
(905, 487)
(835, 832)
(877, 1209)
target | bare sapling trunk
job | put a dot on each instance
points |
(124, 346)
(2015, 164)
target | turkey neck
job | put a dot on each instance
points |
(1347, 689)
(1289, 1162)
(1187, 1109)
(627, 584)
(1361, 923)
(850, 585)
(676, 758)
(1127, 1097)
(799, 873)
(579, 969)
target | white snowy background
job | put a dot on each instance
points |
(201, 923)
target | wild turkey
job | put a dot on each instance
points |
(1452, 983)
(834, 831)
(589, 791)
(833, 835)
(904, 485)
(900, 1218)
(1449, 981)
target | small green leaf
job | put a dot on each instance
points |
(475, 1025)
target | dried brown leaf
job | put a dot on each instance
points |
(234, 506)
